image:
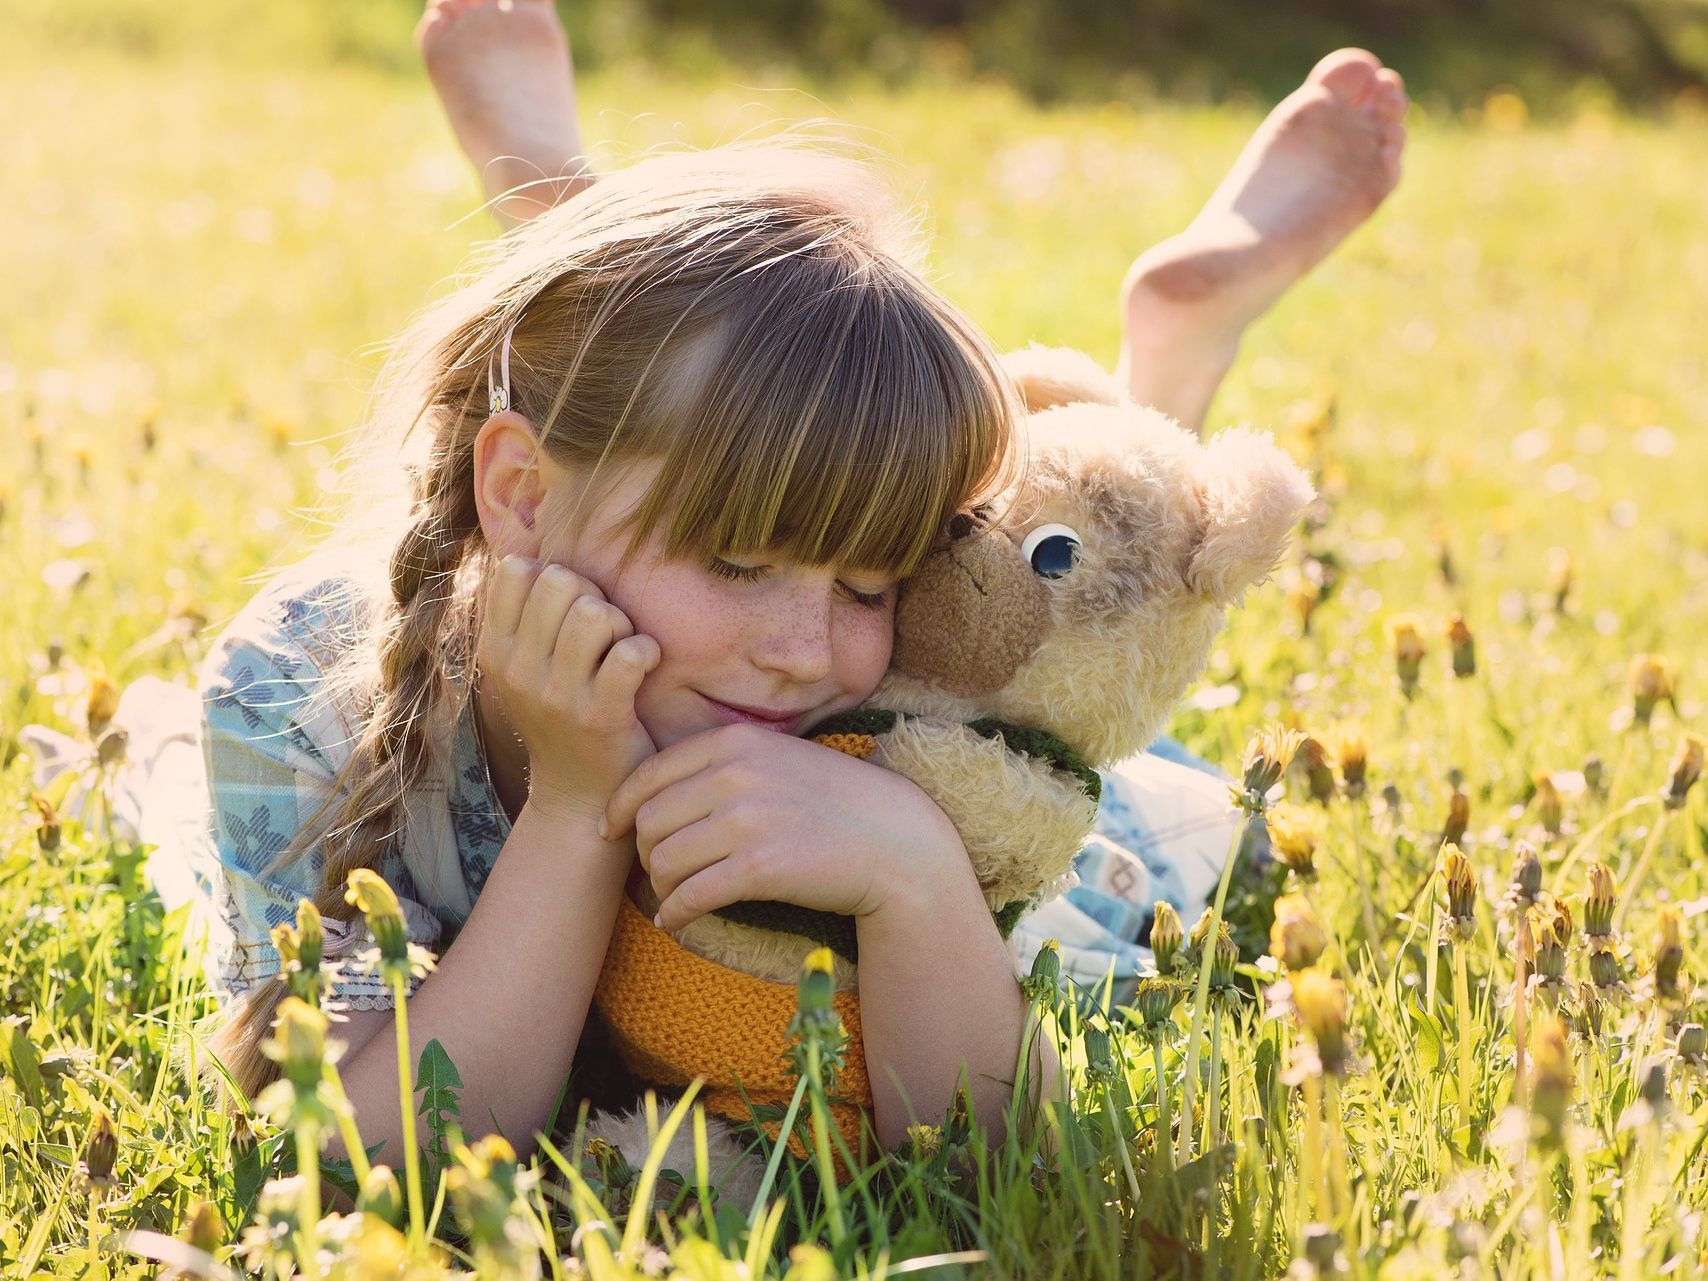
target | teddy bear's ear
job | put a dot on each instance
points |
(1050, 376)
(1252, 493)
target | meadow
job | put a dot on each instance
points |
(1501, 387)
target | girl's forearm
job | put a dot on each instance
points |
(938, 991)
(510, 996)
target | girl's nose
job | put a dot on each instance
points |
(796, 642)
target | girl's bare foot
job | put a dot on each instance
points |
(502, 70)
(1315, 169)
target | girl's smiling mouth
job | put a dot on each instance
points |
(784, 722)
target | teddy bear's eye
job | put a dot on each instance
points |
(1051, 550)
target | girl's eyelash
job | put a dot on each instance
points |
(753, 573)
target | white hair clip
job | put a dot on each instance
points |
(498, 393)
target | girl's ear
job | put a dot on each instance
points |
(510, 482)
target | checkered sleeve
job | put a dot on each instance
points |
(270, 765)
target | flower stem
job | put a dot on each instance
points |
(353, 1148)
(1165, 1123)
(308, 1204)
(1213, 1094)
(821, 1145)
(1462, 1007)
(1315, 1176)
(406, 1097)
(1201, 996)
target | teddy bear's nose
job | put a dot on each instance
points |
(962, 525)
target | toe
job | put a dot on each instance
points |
(1388, 101)
(1349, 74)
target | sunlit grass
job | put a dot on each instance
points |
(1502, 387)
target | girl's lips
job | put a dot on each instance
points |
(786, 723)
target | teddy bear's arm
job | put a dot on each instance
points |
(1021, 818)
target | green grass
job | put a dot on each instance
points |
(205, 258)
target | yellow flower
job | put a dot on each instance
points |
(1549, 808)
(926, 1140)
(1350, 743)
(1550, 1081)
(298, 1043)
(1167, 934)
(1319, 1000)
(103, 703)
(1295, 832)
(1267, 756)
(1463, 645)
(1297, 937)
(367, 890)
(1460, 878)
(1600, 901)
(1650, 680)
(1686, 769)
(1405, 635)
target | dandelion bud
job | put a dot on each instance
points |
(1319, 776)
(110, 747)
(1224, 960)
(1526, 878)
(1550, 1082)
(47, 823)
(609, 1164)
(1099, 1055)
(1693, 1044)
(1297, 937)
(1167, 935)
(1351, 746)
(1651, 681)
(298, 1043)
(1686, 769)
(1295, 832)
(377, 902)
(1600, 902)
(1589, 1011)
(925, 1140)
(1320, 1002)
(1594, 774)
(1458, 818)
(1550, 948)
(1604, 968)
(1406, 638)
(1303, 596)
(1462, 885)
(1154, 1000)
(1042, 984)
(1266, 759)
(242, 1134)
(381, 1197)
(817, 988)
(1669, 953)
(100, 1151)
(1549, 808)
(1463, 645)
(203, 1228)
(103, 703)
(483, 1189)
(1560, 574)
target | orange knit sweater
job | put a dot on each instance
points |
(675, 1016)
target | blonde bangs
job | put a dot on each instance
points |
(834, 417)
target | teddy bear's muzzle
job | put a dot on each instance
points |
(971, 614)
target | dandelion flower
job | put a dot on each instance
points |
(1600, 902)
(1460, 878)
(1405, 637)
(1295, 833)
(1350, 744)
(1650, 680)
(1320, 1003)
(1297, 937)
(1463, 646)
(1550, 1082)
(1686, 768)
(1154, 1001)
(1167, 934)
(1312, 758)
(1549, 808)
(1669, 953)
(1267, 756)
(1458, 818)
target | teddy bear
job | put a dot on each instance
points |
(1048, 635)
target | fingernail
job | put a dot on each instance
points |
(604, 829)
(658, 920)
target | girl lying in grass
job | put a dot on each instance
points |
(676, 445)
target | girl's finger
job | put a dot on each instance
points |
(590, 628)
(718, 886)
(680, 760)
(554, 591)
(511, 582)
(612, 692)
(674, 809)
(684, 855)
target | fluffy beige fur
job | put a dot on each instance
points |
(1171, 532)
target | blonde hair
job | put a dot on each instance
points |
(752, 318)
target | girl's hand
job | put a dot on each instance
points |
(741, 813)
(566, 663)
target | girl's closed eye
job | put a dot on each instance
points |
(754, 573)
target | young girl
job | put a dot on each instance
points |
(681, 438)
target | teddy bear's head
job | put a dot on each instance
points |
(1085, 600)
